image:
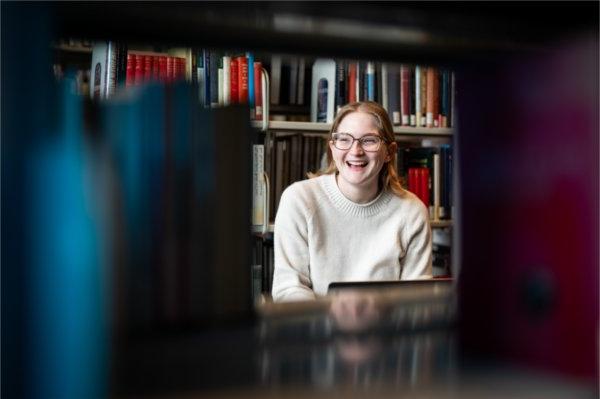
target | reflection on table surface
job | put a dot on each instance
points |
(353, 342)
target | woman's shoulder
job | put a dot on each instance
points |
(306, 191)
(410, 204)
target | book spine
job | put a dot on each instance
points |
(371, 81)
(423, 92)
(258, 103)
(220, 83)
(156, 68)
(130, 79)
(301, 80)
(251, 86)
(293, 84)
(275, 79)
(425, 188)
(436, 186)
(243, 79)
(352, 82)
(340, 89)
(139, 69)
(431, 72)
(226, 80)
(393, 88)
(417, 88)
(147, 68)
(201, 78)
(258, 190)
(214, 78)
(234, 81)
(385, 101)
(170, 69)
(445, 98)
(412, 97)
(207, 77)
(162, 63)
(404, 95)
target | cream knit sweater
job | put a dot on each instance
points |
(322, 237)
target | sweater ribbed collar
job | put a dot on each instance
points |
(350, 208)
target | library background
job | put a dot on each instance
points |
(145, 147)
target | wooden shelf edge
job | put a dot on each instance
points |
(326, 127)
(258, 229)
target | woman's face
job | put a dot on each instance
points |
(359, 169)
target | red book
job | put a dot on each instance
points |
(130, 76)
(162, 64)
(258, 90)
(404, 95)
(139, 69)
(155, 68)
(412, 182)
(147, 68)
(352, 82)
(170, 68)
(424, 185)
(242, 79)
(234, 92)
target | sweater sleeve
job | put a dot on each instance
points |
(291, 279)
(417, 261)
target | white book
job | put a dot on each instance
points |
(322, 101)
(226, 80)
(275, 78)
(220, 96)
(258, 184)
(99, 70)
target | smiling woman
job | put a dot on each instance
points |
(351, 221)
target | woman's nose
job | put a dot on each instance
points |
(356, 148)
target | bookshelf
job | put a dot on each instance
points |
(487, 315)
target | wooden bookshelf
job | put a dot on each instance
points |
(318, 127)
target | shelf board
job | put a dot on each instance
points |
(73, 49)
(326, 127)
(258, 229)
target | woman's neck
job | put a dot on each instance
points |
(358, 195)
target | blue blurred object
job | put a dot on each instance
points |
(68, 341)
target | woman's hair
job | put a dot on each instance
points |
(388, 177)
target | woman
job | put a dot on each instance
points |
(352, 221)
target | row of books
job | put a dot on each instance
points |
(291, 157)
(413, 95)
(428, 173)
(425, 171)
(290, 80)
(263, 261)
(220, 78)
(226, 79)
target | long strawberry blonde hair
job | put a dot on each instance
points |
(388, 177)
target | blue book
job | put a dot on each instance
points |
(250, 57)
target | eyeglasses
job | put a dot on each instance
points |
(369, 142)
